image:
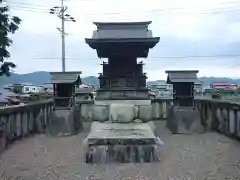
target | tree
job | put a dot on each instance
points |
(8, 24)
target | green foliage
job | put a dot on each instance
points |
(216, 96)
(8, 24)
(17, 88)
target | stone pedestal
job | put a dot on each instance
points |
(122, 94)
(64, 122)
(142, 108)
(129, 101)
(100, 113)
(184, 120)
(111, 142)
(120, 135)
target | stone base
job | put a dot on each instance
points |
(115, 142)
(100, 113)
(64, 122)
(134, 102)
(184, 120)
(101, 109)
(122, 94)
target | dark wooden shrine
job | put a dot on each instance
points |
(183, 86)
(122, 44)
(64, 84)
(183, 118)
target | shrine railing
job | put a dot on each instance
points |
(21, 120)
(160, 108)
(222, 116)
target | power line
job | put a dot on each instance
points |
(197, 56)
(120, 13)
(38, 5)
(29, 8)
(156, 12)
(161, 11)
(166, 57)
(54, 58)
(31, 4)
(60, 11)
(27, 4)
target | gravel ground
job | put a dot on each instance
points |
(184, 157)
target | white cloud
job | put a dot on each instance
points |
(186, 27)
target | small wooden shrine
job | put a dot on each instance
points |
(183, 86)
(183, 118)
(64, 84)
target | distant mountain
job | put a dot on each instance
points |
(156, 82)
(206, 80)
(42, 77)
(34, 78)
(39, 77)
(209, 80)
(90, 80)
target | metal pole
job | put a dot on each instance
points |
(63, 37)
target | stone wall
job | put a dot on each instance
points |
(19, 121)
(219, 115)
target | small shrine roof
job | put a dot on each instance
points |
(65, 77)
(123, 23)
(138, 46)
(122, 39)
(182, 76)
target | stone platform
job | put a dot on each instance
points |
(131, 142)
(122, 93)
(184, 120)
(123, 131)
(64, 122)
(206, 156)
(134, 102)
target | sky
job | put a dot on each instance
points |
(194, 34)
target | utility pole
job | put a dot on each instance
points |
(60, 12)
(63, 38)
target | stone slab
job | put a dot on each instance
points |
(121, 142)
(134, 102)
(109, 130)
